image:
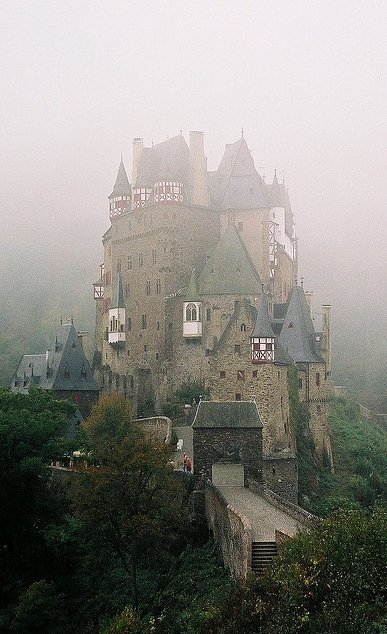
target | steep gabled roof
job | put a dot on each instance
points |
(298, 335)
(118, 299)
(168, 160)
(236, 184)
(227, 414)
(121, 186)
(262, 326)
(64, 368)
(229, 270)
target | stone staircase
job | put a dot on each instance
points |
(262, 554)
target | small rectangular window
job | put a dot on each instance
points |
(130, 263)
(240, 375)
(300, 384)
(317, 378)
(237, 348)
(143, 322)
(129, 323)
(222, 374)
(140, 260)
(238, 397)
(255, 374)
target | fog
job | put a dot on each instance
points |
(306, 80)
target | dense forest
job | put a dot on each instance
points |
(119, 551)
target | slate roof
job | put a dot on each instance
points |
(168, 160)
(262, 326)
(236, 184)
(118, 298)
(229, 270)
(227, 414)
(121, 186)
(63, 368)
(298, 334)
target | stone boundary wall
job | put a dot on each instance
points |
(158, 427)
(295, 511)
(231, 530)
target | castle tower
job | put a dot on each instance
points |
(117, 316)
(120, 198)
(262, 337)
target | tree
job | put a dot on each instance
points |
(31, 432)
(128, 498)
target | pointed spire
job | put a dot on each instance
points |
(118, 300)
(121, 186)
(275, 192)
(262, 327)
(192, 292)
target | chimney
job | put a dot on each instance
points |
(138, 145)
(309, 300)
(83, 338)
(326, 336)
(198, 169)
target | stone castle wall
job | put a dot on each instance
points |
(231, 530)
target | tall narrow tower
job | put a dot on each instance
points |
(120, 198)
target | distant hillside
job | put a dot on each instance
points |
(360, 460)
(31, 306)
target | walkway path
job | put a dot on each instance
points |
(264, 518)
(184, 433)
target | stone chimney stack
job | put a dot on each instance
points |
(198, 169)
(138, 145)
(309, 300)
(326, 347)
(84, 339)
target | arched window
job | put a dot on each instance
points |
(191, 313)
(243, 327)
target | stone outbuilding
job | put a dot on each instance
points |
(227, 442)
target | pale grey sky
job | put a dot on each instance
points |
(305, 79)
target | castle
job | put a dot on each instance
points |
(199, 282)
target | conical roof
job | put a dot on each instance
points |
(229, 270)
(298, 335)
(262, 326)
(118, 299)
(121, 187)
(192, 293)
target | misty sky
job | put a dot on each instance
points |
(306, 80)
